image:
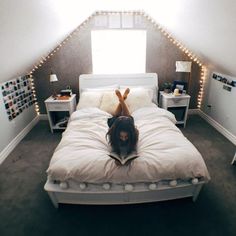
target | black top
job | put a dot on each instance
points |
(110, 121)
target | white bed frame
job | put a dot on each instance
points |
(93, 81)
(65, 194)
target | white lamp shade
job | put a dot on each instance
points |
(183, 66)
(53, 78)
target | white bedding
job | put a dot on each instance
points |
(164, 153)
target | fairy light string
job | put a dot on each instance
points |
(178, 44)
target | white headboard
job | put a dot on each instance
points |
(93, 81)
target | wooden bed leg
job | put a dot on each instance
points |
(196, 192)
(53, 199)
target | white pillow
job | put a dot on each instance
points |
(138, 98)
(109, 102)
(153, 90)
(89, 99)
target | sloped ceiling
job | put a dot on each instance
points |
(29, 29)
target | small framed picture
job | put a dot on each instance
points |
(181, 85)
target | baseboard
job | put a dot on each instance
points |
(193, 111)
(43, 117)
(9, 148)
(218, 127)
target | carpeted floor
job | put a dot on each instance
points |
(25, 208)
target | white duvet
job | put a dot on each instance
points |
(164, 153)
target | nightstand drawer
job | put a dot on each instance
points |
(58, 106)
(177, 101)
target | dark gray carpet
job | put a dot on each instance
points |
(25, 208)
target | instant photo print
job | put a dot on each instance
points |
(17, 96)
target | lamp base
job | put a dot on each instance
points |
(54, 96)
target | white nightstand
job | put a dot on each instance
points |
(178, 105)
(59, 111)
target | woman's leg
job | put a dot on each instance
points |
(122, 108)
(125, 109)
(118, 110)
(125, 95)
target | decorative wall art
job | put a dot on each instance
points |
(17, 96)
(224, 79)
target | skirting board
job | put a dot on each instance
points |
(9, 148)
(193, 111)
(215, 124)
(43, 117)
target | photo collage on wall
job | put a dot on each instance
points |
(17, 96)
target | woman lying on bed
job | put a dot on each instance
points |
(122, 133)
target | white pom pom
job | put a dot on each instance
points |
(194, 181)
(63, 185)
(82, 186)
(129, 187)
(152, 186)
(106, 186)
(173, 183)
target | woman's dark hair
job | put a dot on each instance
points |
(126, 124)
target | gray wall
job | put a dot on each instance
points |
(75, 58)
(10, 129)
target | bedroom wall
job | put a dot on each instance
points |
(219, 105)
(13, 131)
(75, 58)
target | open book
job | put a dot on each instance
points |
(123, 159)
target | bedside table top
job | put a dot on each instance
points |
(51, 99)
(171, 95)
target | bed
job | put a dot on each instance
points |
(81, 171)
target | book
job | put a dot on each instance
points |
(123, 159)
(63, 97)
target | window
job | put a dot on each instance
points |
(118, 51)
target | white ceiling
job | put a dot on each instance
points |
(29, 29)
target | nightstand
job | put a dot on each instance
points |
(59, 111)
(178, 105)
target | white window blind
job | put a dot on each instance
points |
(118, 51)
